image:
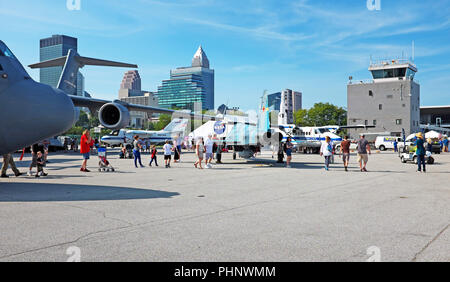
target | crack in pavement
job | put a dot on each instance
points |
(429, 243)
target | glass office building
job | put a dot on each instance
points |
(274, 101)
(55, 47)
(189, 85)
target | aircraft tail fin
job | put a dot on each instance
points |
(264, 111)
(71, 64)
(177, 125)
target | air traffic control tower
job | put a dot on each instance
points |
(390, 101)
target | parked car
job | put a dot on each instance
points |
(53, 144)
(383, 143)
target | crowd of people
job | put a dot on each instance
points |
(420, 148)
(206, 149)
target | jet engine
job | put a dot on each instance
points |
(271, 137)
(114, 116)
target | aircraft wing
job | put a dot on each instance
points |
(79, 101)
(356, 126)
(95, 104)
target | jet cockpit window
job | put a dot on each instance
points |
(322, 130)
(114, 133)
(4, 51)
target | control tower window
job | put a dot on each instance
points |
(410, 74)
(389, 73)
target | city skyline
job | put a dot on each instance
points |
(189, 85)
(254, 46)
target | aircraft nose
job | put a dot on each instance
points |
(37, 112)
(63, 114)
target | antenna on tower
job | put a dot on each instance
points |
(413, 51)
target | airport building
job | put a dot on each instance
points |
(286, 102)
(390, 101)
(436, 116)
(189, 85)
(130, 91)
(55, 47)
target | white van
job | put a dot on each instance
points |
(383, 143)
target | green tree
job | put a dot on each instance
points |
(75, 130)
(164, 120)
(83, 120)
(93, 120)
(321, 114)
(301, 118)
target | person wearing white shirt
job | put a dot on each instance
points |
(326, 150)
(199, 149)
(209, 143)
(167, 153)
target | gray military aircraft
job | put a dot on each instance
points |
(31, 111)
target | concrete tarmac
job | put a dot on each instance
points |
(236, 211)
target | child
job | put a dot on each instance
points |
(153, 156)
(40, 165)
(167, 153)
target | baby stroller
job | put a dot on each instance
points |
(103, 164)
(129, 154)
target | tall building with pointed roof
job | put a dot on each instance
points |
(189, 85)
(131, 80)
(200, 59)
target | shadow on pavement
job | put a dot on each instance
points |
(44, 192)
(294, 165)
(26, 163)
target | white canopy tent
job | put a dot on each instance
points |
(433, 135)
(430, 134)
(411, 136)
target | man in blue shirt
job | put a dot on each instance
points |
(420, 152)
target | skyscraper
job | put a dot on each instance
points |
(55, 47)
(130, 91)
(131, 85)
(189, 85)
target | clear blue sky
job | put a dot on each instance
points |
(311, 46)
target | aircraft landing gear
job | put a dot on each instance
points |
(280, 154)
